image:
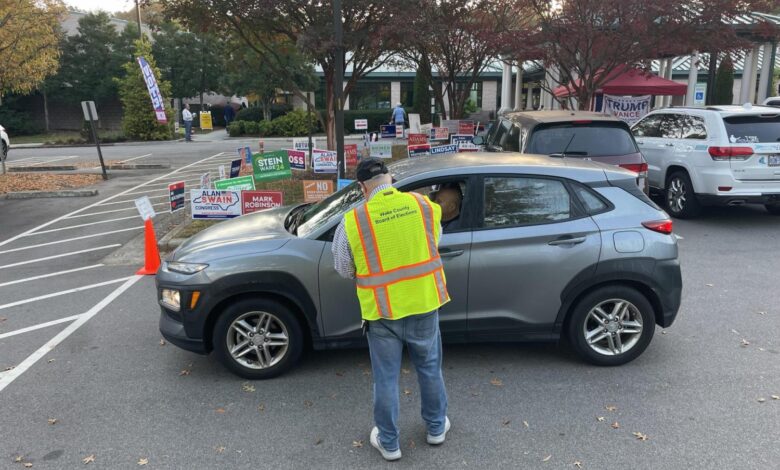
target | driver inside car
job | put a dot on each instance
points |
(450, 198)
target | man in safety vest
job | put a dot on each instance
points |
(389, 244)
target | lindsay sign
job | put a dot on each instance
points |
(627, 108)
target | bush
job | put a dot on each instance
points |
(376, 118)
(236, 128)
(251, 127)
(18, 122)
(255, 113)
(294, 124)
(724, 83)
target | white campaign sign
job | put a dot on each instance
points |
(324, 161)
(627, 108)
(381, 150)
(213, 204)
(144, 206)
(303, 144)
(414, 123)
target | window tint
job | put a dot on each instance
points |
(693, 128)
(593, 139)
(753, 129)
(512, 140)
(454, 198)
(497, 132)
(671, 126)
(648, 127)
(512, 201)
(773, 103)
(592, 203)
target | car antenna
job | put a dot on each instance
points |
(563, 154)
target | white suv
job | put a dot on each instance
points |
(714, 155)
(5, 144)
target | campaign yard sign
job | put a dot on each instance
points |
(176, 196)
(451, 125)
(350, 155)
(316, 190)
(459, 139)
(444, 149)
(222, 172)
(440, 133)
(241, 183)
(387, 131)
(254, 201)
(235, 168)
(145, 209)
(466, 127)
(361, 124)
(271, 166)
(205, 181)
(342, 183)
(324, 161)
(418, 139)
(303, 144)
(468, 147)
(381, 150)
(297, 159)
(214, 204)
(419, 150)
(245, 153)
(627, 108)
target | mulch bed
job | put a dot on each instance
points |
(45, 181)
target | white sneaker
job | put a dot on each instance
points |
(436, 440)
(387, 455)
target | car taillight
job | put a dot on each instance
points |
(721, 154)
(660, 226)
(635, 167)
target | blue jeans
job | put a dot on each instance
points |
(386, 339)
(187, 130)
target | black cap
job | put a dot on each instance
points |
(370, 167)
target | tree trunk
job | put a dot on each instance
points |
(45, 110)
(330, 113)
(266, 110)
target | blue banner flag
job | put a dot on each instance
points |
(154, 91)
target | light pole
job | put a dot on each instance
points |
(339, 88)
(138, 15)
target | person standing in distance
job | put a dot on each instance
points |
(389, 244)
(187, 117)
(398, 117)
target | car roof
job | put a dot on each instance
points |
(726, 110)
(559, 116)
(505, 162)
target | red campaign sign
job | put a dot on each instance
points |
(418, 139)
(466, 127)
(176, 195)
(253, 201)
(350, 155)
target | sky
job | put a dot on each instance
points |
(107, 5)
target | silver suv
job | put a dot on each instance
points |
(728, 155)
(544, 248)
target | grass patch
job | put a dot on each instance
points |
(50, 137)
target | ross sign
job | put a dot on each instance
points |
(699, 94)
(381, 150)
(361, 124)
(324, 161)
(387, 131)
(241, 183)
(629, 109)
(205, 120)
(235, 168)
(246, 154)
(154, 91)
(144, 206)
(342, 183)
(222, 172)
(414, 123)
(451, 125)
(440, 133)
(459, 139)
(419, 150)
(297, 159)
(466, 127)
(271, 166)
(205, 181)
(442, 149)
(418, 139)
(90, 112)
(176, 196)
(254, 201)
(350, 155)
(303, 144)
(316, 190)
(213, 204)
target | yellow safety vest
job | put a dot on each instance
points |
(394, 241)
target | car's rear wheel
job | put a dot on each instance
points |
(611, 326)
(773, 209)
(4, 155)
(680, 200)
(258, 338)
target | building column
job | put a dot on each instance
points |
(489, 92)
(766, 74)
(693, 77)
(659, 99)
(668, 70)
(346, 101)
(446, 98)
(506, 87)
(519, 86)
(753, 74)
(395, 93)
(529, 97)
(744, 87)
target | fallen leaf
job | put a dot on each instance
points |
(663, 332)
(143, 461)
(407, 391)
(162, 343)
(318, 441)
(762, 313)
(18, 458)
(261, 407)
(412, 445)
(88, 459)
(340, 374)
(220, 449)
(745, 342)
(2, 319)
(734, 331)
(577, 464)
(709, 285)
(474, 394)
(640, 436)
(333, 396)
(546, 459)
(506, 422)
(601, 419)
(525, 423)
(8, 368)
(27, 465)
(52, 421)
(307, 403)
(496, 382)
(366, 372)
(51, 360)
(761, 400)
(220, 410)
(357, 443)
(249, 388)
(405, 371)
(761, 349)
(615, 425)
(184, 372)
(775, 397)
(610, 408)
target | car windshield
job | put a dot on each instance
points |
(316, 215)
(753, 129)
(591, 139)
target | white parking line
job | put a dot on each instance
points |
(39, 326)
(58, 273)
(69, 227)
(7, 378)
(63, 292)
(105, 247)
(23, 159)
(144, 192)
(55, 160)
(112, 210)
(130, 201)
(135, 158)
(70, 239)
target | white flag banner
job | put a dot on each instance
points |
(627, 108)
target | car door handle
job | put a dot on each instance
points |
(567, 241)
(450, 253)
(669, 145)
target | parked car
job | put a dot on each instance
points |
(5, 143)
(546, 248)
(772, 101)
(580, 134)
(718, 155)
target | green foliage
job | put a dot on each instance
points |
(724, 82)
(139, 121)
(17, 122)
(376, 118)
(469, 107)
(293, 124)
(236, 128)
(255, 113)
(422, 98)
(251, 127)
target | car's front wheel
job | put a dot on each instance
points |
(257, 338)
(611, 326)
(680, 200)
(4, 155)
(773, 209)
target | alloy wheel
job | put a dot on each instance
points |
(613, 327)
(257, 340)
(676, 195)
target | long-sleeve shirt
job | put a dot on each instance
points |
(398, 114)
(186, 115)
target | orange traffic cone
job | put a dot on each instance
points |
(151, 253)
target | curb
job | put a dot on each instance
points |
(138, 166)
(43, 194)
(24, 169)
(170, 241)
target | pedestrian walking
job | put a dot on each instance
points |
(230, 114)
(187, 117)
(389, 244)
(398, 117)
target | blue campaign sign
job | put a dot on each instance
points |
(342, 183)
(235, 168)
(442, 149)
(387, 131)
(458, 139)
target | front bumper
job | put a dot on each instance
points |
(173, 331)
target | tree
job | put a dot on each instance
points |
(724, 82)
(139, 121)
(422, 97)
(29, 43)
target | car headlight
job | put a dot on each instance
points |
(185, 268)
(171, 298)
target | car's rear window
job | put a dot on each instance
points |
(753, 129)
(592, 139)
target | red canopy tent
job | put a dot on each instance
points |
(631, 81)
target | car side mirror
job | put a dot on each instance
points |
(478, 140)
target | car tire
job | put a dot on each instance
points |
(773, 209)
(4, 155)
(679, 198)
(229, 333)
(583, 324)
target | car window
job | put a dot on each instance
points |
(511, 142)
(773, 103)
(318, 214)
(692, 127)
(753, 129)
(493, 133)
(587, 139)
(593, 204)
(454, 196)
(515, 201)
(500, 133)
(648, 127)
(671, 126)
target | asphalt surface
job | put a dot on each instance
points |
(121, 396)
